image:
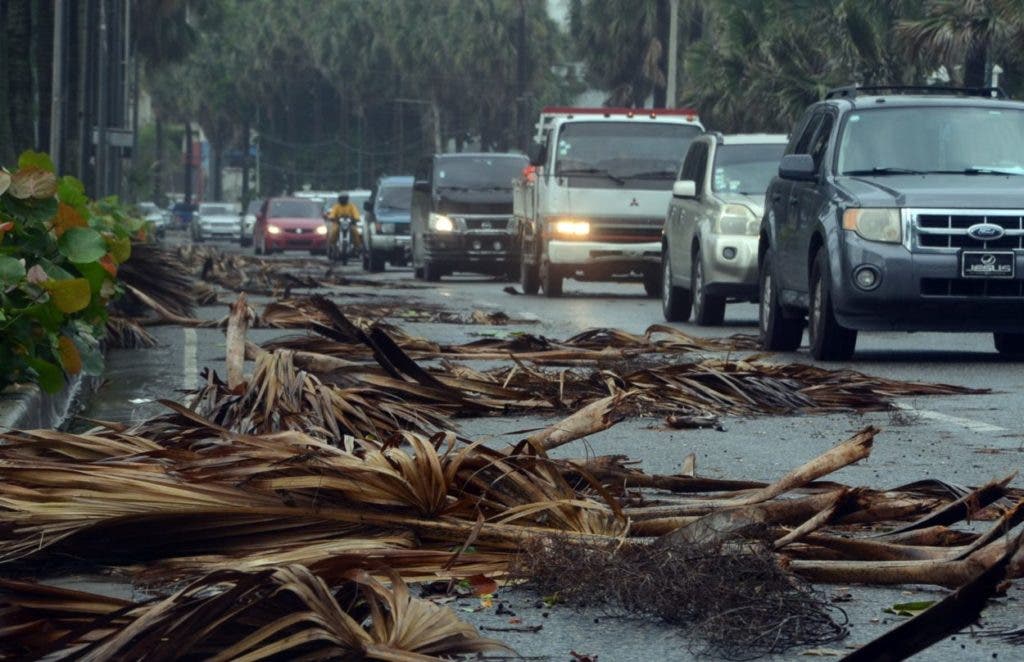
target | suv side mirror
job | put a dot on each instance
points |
(684, 188)
(421, 185)
(797, 166)
(538, 154)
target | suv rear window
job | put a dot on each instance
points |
(746, 169)
(932, 139)
(294, 209)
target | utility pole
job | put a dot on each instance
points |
(188, 163)
(57, 88)
(103, 97)
(673, 53)
(522, 134)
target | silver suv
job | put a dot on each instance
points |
(709, 244)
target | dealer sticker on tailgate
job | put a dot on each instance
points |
(986, 264)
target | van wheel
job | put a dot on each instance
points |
(529, 277)
(708, 310)
(431, 272)
(550, 279)
(779, 332)
(829, 340)
(1009, 344)
(675, 301)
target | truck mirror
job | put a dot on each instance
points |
(685, 188)
(537, 155)
(421, 185)
(797, 166)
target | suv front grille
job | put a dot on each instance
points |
(948, 231)
(972, 287)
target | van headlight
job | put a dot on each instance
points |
(441, 223)
(568, 227)
(877, 224)
(737, 220)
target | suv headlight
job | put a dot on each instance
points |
(440, 223)
(880, 224)
(737, 219)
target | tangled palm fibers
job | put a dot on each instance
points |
(737, 601)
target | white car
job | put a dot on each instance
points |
(216, 220)
(155, 215)
(247, 222)
(710, 241)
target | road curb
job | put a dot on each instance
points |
(26, 406)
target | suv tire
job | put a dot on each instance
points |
(829, 340)
(779, 332)
(708, 310)
(529, 277)
(431, 272)
(675, 301)
(375, 262)
(652, 283)
(550, 279)
(1009, 344)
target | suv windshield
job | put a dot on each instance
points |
(746, 169)
(394, 197)
(932, 139)
(294, 209)
(479, 172)
(623, 150)
(215, 210)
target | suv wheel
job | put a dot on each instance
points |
(652, 283)
(529, 277)
(779, 332)
(1009, 344)
(431, 272)
(675, 301)
(550, 279)
(829, 340)
(374, 261)
(708, 310)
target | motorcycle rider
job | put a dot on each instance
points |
(341, 209)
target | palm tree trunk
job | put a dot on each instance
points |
(6, 147)
(217, 149)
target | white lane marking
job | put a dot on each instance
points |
(191, 361)
(939, 417)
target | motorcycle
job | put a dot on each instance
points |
(341, 248)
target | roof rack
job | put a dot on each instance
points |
(853, 91)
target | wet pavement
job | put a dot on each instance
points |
(962, 439)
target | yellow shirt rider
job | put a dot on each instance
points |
(341, 209)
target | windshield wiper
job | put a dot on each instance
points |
(652, 174)
(884, 171)
(591, 171)
(975, 171)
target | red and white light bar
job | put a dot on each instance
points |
(629, 112)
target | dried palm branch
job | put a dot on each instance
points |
(161, 276)
(125, 333)
(284, 612)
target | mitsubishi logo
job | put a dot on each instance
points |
(634, 203)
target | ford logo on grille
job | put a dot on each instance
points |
(985, 232)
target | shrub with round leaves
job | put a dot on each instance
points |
(59, 253)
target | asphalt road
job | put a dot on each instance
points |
(962, 439)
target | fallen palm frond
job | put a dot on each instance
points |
(301, 312)
(278, 613)
(124, 333)
(738, 602)
(161, 276)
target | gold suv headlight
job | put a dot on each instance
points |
(879, 224)
(737, 220)
(568, 227)
(441, 223)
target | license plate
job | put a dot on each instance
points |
(986, 264)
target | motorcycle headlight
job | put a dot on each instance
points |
(572, 228)
(273, 229)
(321, 229)
(879, 224)
(441, 223)
(737, 220)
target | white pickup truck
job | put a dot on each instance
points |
(592, 204)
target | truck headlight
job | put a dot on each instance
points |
(737, 220)
(441, 223)
(273, 229)
(880, 224)
(322, 229)
(572, 228)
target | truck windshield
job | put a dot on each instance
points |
(484, 172)
(746, 169)
(623, 150)
(394, 197)
(936, 139)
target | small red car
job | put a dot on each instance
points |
(289, 224)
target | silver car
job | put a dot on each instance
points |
(215, 220)
(709, 246)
